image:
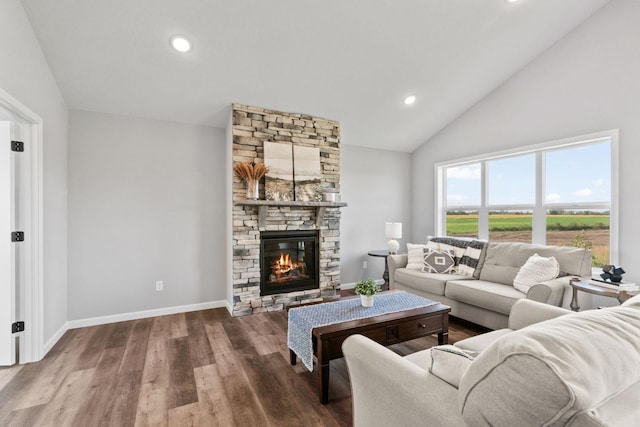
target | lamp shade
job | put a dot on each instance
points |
(393, 230)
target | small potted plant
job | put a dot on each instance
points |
(367, 289)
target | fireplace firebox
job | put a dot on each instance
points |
(289, 261)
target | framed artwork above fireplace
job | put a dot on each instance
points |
(278, 157)
(294, 173)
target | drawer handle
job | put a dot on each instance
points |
(422, 325)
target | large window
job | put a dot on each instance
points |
(558, 193)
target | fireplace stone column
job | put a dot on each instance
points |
(252, 126)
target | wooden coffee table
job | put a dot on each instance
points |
(386, 329)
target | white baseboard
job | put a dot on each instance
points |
(102, 320)
(55, 338)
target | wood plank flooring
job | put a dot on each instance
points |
(203, 368)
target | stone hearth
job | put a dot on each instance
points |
(251, 127)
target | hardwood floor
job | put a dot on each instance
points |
(199, 368)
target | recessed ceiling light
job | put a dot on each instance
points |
(511, 1)
(181, 43)
(410, 100)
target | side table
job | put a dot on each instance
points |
(383, 254)
(592, 288)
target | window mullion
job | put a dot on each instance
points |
(539, 220)
(483, 213)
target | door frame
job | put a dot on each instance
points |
(31, 288)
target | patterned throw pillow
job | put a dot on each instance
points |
(438, 261)
(469, 254)
(457, 246)
(471, 260)
(537, 269)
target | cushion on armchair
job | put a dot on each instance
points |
(449, 363)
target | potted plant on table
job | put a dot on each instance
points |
(367, 289)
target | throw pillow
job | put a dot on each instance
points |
(537, 269)
(414, 256)
(458, 246)
(470, 261)
(438, 261)
(449, 363)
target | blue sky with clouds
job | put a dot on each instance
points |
(573, 175)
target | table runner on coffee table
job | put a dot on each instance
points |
(302, 320)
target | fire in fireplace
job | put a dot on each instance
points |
(289, 261)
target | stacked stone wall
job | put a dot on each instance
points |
(252, 126)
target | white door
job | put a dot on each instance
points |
(7, 248)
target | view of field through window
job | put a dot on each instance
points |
(574, 198)
(587, 229)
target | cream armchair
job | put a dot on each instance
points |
(547, 368)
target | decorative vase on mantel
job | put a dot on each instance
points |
(253, 189)
(251, 173)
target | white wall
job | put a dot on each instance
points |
(25, 75)
(376, 184)
(588, 82)
(146, 203)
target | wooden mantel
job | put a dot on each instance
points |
(264, 204)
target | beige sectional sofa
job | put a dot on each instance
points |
(553, 367)
(486, 297)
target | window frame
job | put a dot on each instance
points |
(539, 209)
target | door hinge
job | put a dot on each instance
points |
(17, 236)
(17, 327)
(17, 146)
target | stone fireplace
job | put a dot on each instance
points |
(266, 285)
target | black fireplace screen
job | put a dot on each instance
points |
(289, 261)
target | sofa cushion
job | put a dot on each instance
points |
(420, 358)
(503, 260)
(449, 363)
(537, 269)
(441, 261)
(488, 295)
(482, 341)
(555, 371)
(427, 282)
(415, 256)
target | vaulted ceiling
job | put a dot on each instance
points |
(353, 61)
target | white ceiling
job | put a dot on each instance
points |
(348, 60)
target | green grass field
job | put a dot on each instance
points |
(468, 224)
(591, 230)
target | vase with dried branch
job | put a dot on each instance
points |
(252, 173)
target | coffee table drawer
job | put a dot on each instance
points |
(420, 327)
(335, 345)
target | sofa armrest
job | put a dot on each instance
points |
(394, 262)
(389, 390)
(550, 291)
(526, 312)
